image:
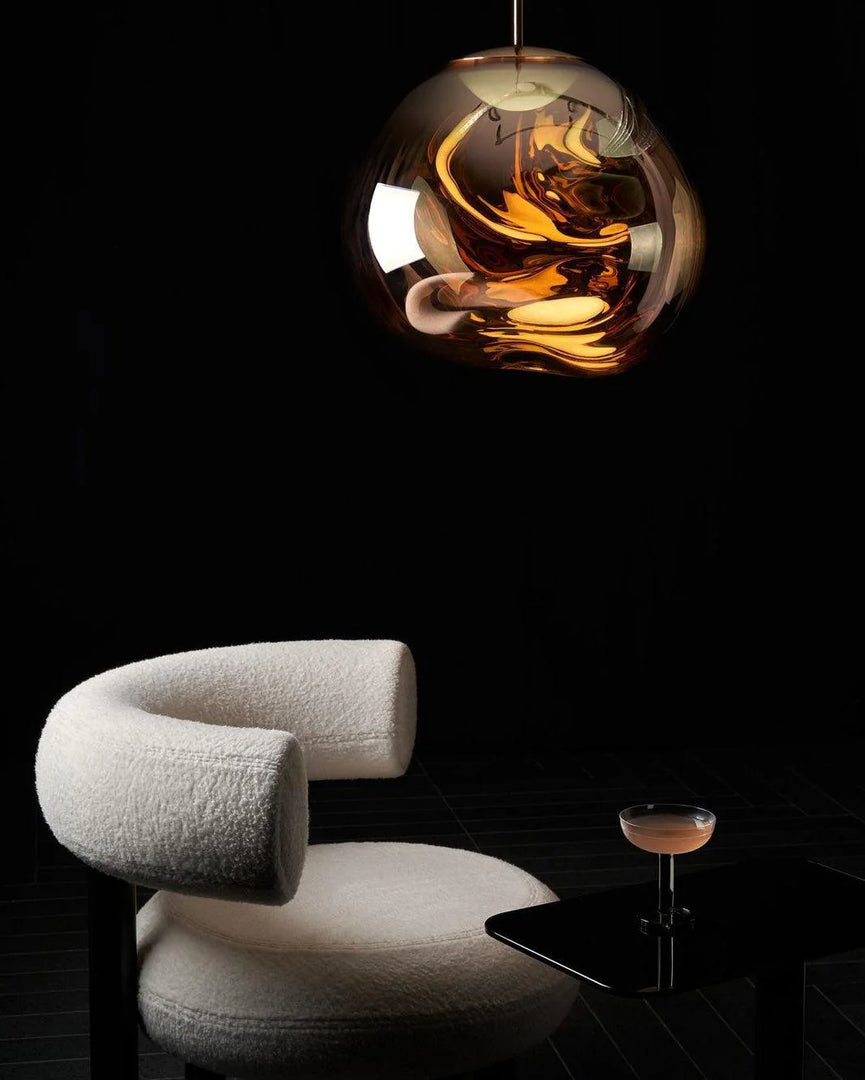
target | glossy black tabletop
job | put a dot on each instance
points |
(748, 918)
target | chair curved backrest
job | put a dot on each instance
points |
(188, 772)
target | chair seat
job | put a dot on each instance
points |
(379, 967)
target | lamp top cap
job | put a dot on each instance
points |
(509, 52)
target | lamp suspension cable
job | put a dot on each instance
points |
(517, 20)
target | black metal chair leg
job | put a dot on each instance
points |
(193, 1072)
(113, 978)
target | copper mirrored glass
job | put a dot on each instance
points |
(521, 211)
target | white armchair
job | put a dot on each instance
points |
(263, 958)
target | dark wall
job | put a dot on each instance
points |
(670, 554)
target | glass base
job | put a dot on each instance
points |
(674, 922)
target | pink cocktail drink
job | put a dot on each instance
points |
(669, 834)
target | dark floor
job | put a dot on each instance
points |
(556, 817)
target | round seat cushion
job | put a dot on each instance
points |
(379, 967)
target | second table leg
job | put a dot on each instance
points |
(780, 1026)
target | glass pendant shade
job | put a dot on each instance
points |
(520, 211)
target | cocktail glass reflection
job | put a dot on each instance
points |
(667, 829)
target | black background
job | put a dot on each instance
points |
(207, 441)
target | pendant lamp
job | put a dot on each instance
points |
(520, 211)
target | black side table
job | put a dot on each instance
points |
(762, 917)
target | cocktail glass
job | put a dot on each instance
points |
(667, 829)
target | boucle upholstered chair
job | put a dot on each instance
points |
(260, 957)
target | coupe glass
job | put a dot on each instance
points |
(667, 829)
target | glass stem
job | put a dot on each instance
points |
(666, 897)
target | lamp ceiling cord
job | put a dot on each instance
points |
(517, 21)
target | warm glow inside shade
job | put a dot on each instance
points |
(523, 212)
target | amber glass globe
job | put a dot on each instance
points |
(521, 211)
